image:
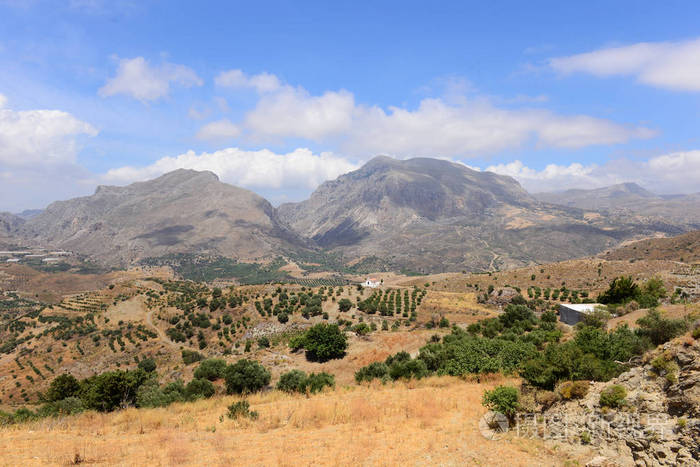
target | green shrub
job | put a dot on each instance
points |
(190, 356)
(292, 381)
(245, 376)
(621, 290)
(199, 388)
(322, 342)
(61, 387)
(613, 396)
(658, 329)
(663, 365)
(503, 399)
(344, 305)
(211, 369)
(378, 370)
(148, 365)
(317, 381)
(66, 406)
(150, 394)
(241, 409)
(111, 390)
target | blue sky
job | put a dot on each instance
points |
(279, 96)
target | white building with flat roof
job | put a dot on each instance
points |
(572, 313)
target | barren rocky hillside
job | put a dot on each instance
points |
(184, 211)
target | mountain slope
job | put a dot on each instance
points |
(432, 215)
(184, 211)
(610, 197)
(631, 199)
(9, 226)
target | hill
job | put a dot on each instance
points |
(9, 225)
(184, 211)
(682, 248)
(431, 215)
(629, 199)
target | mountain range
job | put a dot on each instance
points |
(422, 215)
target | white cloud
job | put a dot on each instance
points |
(252, 169)
(3, 101)
(294, 113)
(220, 130)
(137, 78)
(453, 126)
(668, 65)
(262, 82)
(36, 138)
(677, 172)
(470, 128)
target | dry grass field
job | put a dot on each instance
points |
(428, 422)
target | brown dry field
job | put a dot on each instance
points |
(676, 311)
(578, 274)
(428, 422)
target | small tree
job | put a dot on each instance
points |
(323, 342)
(344, 305)
(148, 365)
(503, 399)
(199, 388)
(246, 376)
(211, 369)
(63, 386)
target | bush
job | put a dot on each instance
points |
(503, 399)
(292, 381)
(323, 342)
(344, 305)
(546, 398)
(663, 365)
(573, 389)
(658, 329)
(246, 376)
(151, 395)
(613, 396)
(190, 356)
(199, 388)
(374, 370)
(148, 365)
(317, 381)
(241, 409)
(621, 290)
(66, 406)
(61, 387)
(211, 369)
(111, 390)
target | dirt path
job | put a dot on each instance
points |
(163, 336)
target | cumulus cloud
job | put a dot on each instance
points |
(456, 126)
(668, 65)
(137, 78)
(478, 127)
(262, 82)
(676, 172)
(252, 169)
(220, 130)
(294, 113)
(37, 138)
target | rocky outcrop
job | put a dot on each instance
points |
(658, 425)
